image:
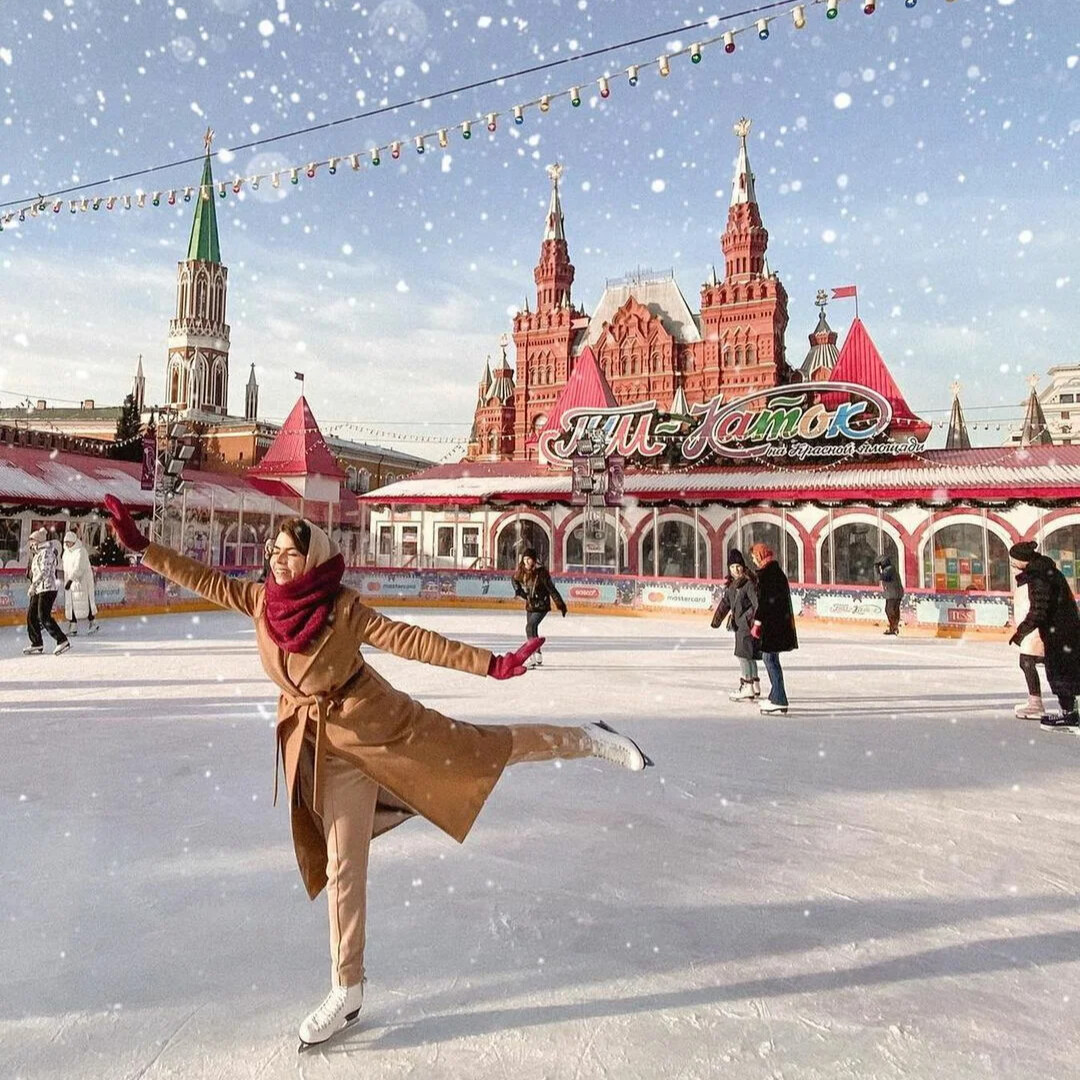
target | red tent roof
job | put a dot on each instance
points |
(585, 389)
(299, 448)
(860, 362)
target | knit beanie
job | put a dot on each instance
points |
(735, 558)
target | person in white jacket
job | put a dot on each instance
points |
(42, 572)
(79, 599)
(1032, 653)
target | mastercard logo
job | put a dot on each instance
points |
(373, 586)
(585, 592)
(656, 597)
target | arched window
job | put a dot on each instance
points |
(676, 555)
(1061, 545)
(584, 552)
(181, 309)
(751, 356)
(858, 546)
(961, 552)
(727, 356)
(517, 535)
(219, 385)
(200, 296)
(738, 356)
(781, 542)
(548, 375)
(174, 383)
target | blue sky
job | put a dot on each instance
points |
(930, 155)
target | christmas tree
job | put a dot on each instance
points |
(128, 444)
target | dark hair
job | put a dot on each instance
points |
(529, 553)
(299, 531)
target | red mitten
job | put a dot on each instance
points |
(506, 667)
(755, 630)
(123, 524)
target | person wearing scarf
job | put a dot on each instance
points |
(359, 756)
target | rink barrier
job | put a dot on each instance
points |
(135, 591)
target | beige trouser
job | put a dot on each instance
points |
(349, 799)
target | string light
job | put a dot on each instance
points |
(395, 150)
(172, 200)
(354, 161)
(275, 180)
(375, 159)
(40, 205)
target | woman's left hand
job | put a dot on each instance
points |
(511, 664)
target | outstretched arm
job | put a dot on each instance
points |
(416, 643)
(210, 584)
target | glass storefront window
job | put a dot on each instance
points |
(782, 542)
(10, 531)
(580, 556)
(444, 541)
(676, 554)
(858, 546)
(960, 560)
(1063, 546)
(518, 535)
(470, 542)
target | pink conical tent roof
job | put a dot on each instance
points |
(299, 448)
(585, 389)
(860, 362)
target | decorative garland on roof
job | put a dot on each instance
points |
(439, 138)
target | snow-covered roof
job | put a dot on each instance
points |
(987, 473)
(661, 295)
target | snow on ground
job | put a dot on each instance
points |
(884, 884)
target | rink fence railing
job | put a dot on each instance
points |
(133, 590)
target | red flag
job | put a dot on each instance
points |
(298, 375)
(844, 291)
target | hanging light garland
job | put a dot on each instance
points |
(441, 136)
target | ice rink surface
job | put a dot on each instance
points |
(886, 883)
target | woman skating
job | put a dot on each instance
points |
(774, 623)
(43, 572)
(80, 601)
(1032, 652)
(359, 756)
(533, 584)
(738, 605)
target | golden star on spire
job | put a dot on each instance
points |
(742, 127)
(555, 172)
(208, 138)
(955, 388)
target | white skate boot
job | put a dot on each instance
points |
(338, 1010)
(1032, 709)
(609, 745)
(33, 650)
(744, 693)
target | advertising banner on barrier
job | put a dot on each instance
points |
(685, 596)
(857, 606)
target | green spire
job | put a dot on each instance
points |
(204, 235)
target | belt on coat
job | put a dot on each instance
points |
(321, 703)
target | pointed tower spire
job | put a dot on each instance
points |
(742, 187)
(203, 244)
(1035, 431)
(957, 438)
(138, 389)
(823, 354)
(553, 274)
(251, 397)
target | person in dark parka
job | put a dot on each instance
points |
(889, 577)
(1052, 612)
(738, 605)
(774, 624)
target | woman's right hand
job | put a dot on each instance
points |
(123, 525)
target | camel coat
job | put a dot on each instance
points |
(424, 762)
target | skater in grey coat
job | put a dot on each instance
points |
(738, 608)
(891, 586)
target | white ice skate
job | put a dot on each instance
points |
(744, 693)
(609, 745)
(339, 1009)
(33, 650)
(770, 708)
(536, 660)
(62, 648)
(94, 628)
(1032, 709)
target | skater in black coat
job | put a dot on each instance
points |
(893, 590)
(738, 606)
(533, 584)
(774, 624)
(1052, 612)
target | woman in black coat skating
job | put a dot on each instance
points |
(738, 605)
(1052, 611)
(774, 624)
(533, 584)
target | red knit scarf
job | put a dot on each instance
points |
(297, 612)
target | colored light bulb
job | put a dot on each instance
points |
(605, 89)
(375, 159)
(798, 17)
(545, 103)
(519, 115)
(466, 129)
(632, 75)
(575, 96)
(663, 66)
(763, 29)
(492, 121)
(830, 9)
(729, 41)
(418, 142)
(695, 54)
(869, 7)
